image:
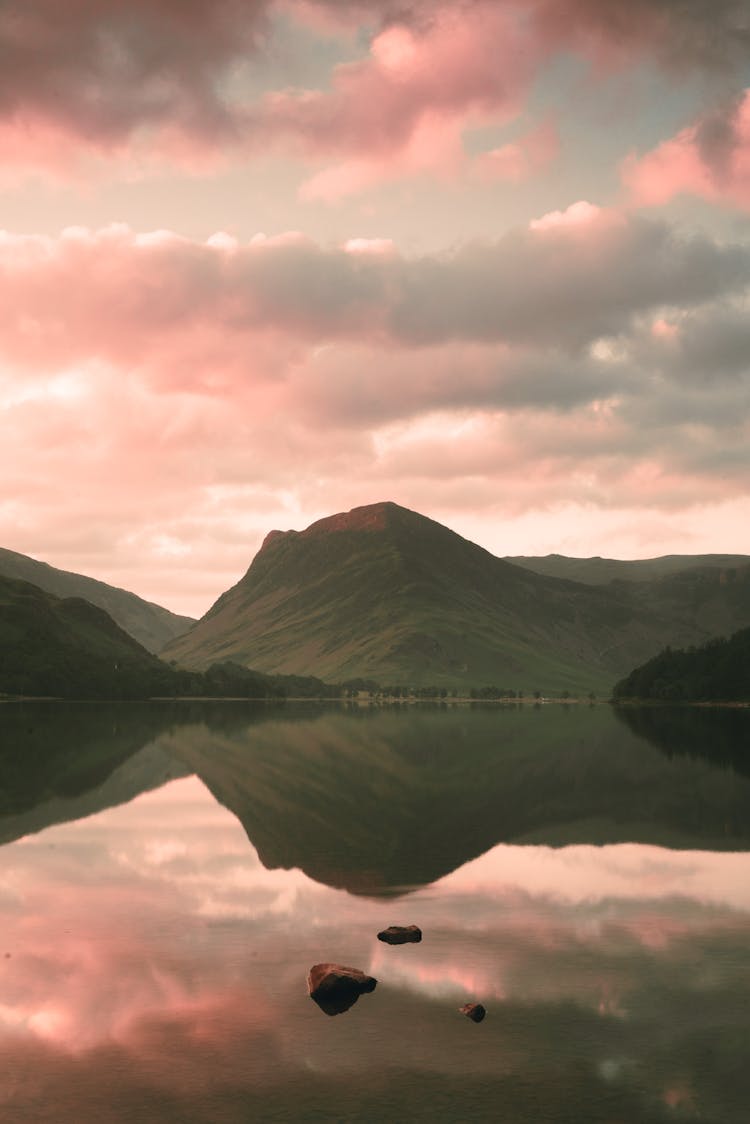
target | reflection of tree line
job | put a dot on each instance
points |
(718, 735)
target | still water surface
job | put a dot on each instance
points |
(169, 874)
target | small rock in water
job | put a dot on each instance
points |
(473, 1011)
(401, 934)
(336, 988)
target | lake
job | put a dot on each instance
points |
(170, 872)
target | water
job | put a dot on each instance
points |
(170, 873)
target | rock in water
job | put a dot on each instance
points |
(473, 1011)
(335, 988)
(401, 934)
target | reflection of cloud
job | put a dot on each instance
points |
(589, 875)
(185, 978)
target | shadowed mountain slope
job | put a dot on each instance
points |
(149, 624)
(384, 593)
(70, 648)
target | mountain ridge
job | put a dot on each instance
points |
(596, 570)
(385, 593)
(150, 624)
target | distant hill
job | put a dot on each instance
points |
(387, 594)
(718, 671)
(69, 648)
(150, 624)
(600, 571)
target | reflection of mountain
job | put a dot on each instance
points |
(60, 762)
(372, 801)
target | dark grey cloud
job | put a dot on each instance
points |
(103, 68)
(565, 286)
(716, 137)
(113, 294)
(682, 34)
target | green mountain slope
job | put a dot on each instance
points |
(385, 593)
(68, 648)
(71, 648)
(150, 624)
(600, 571)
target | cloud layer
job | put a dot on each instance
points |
(593, 355)
(173, 81)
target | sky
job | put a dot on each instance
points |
(266, 260)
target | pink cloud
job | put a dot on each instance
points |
(710, 158)
(402, 109)
(164, 82)
(521, 159)
(220, 388)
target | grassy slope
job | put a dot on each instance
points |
(70, 648)
(388, 594)
(150, 624)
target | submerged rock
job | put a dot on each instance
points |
(336, 988)
(401, 934)
(473, 1011)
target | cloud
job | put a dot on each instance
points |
(205, 316)
(402, 109)
(592, 357)
(149, 82)
(710, 158)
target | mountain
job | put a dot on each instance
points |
(601, 571)
(150, 624)
(71, 648)
(384, 593)
(68, 648)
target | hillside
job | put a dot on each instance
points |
(385, 593)
(601, 571)
(718, 671)
(71, 648)
(150, 624)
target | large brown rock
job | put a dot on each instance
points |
(336, 988)
(401, 934)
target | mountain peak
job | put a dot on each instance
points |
(370, 517)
